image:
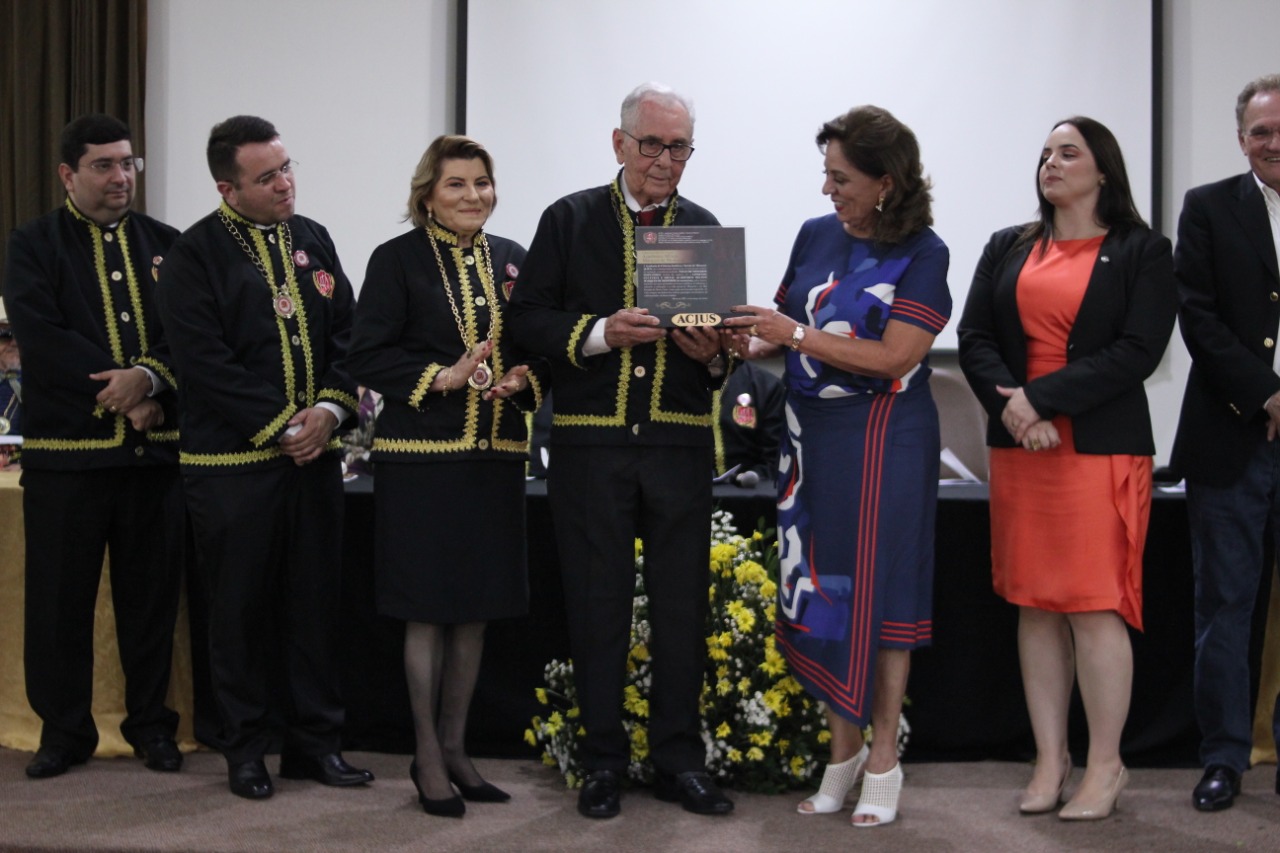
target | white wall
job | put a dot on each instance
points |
(357, 91)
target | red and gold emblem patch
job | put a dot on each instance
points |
(324, 282)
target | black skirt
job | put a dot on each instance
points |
(450, 544)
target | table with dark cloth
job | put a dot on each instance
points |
(965, 691)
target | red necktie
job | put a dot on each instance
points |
(648, 216)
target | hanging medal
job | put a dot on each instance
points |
(283, 303)
(482, 376)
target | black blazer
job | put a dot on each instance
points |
(1229, 289)
(1117, 340)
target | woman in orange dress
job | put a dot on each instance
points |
(1065, 319)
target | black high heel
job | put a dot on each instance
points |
(448, 807)
(482, 793)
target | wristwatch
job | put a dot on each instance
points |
(797, 335)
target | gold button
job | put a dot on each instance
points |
(302, 397)
(133, 359)
(124, 315)
(109, 236)
(1275, 297)
(640, 371)
(138, 451)
(635, 430)
(272, 236)
(297, 340)
(471, 260)
(1268, 343)
(480, 301)
(117, 275)
(483, 444)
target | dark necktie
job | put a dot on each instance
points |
(647, 217)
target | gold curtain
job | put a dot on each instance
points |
(60, 59)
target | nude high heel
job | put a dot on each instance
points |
(1100, 808)
(1033, 803)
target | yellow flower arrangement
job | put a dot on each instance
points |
(762, 733)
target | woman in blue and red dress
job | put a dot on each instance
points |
(862, 299)
(1065, 319)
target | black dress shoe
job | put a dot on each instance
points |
(160, 753)
(693, 790)
(50, 761)
(1217, 789)
(482, 793)
(601, 794)
(443, 807)
(328, 769)
(249, 779)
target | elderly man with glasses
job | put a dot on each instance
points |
(631, 436)
(100, 450)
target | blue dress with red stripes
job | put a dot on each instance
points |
(858, 474)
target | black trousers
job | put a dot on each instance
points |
(269, 546)
(71, 519)
(602, 499)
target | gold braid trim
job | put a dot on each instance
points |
(160, 369)
(162, 435)
(100, 266)
(342, 398)
(135, 296)
(576, 335)
(246, 457)
(277, 423)
(291, 286)
(116, 440)
(716, 431)
(424, 385)
(538, 393)
(659, 415)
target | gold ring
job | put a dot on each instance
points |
(755, 331)
(1035, 445)
(113, 408)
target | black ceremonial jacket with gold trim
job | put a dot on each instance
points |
(574, 275)
(405, 334)
(68, 325)
(244, 371)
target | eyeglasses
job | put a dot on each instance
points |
(650, 147)
(1262, 133)
(270, 177)
(128, 165)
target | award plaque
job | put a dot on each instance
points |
(690, 275)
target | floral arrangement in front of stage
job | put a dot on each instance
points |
(763, 733)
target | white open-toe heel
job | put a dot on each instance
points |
(879, 798)
(837, 781)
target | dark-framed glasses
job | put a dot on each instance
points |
(106, 166)
(651, 147)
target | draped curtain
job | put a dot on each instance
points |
(60, 59)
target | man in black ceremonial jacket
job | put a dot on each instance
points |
(259, 314)
(631, 438)
(99, 461)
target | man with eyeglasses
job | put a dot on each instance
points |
(1226, 445)
(632, 441)
(259, 314)
(100, 469)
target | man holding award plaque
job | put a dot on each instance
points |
(631, 435)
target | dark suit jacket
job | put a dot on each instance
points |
(405, 333)
(1229, 288)
(651, 394)
(1117, 340)
(61, 320)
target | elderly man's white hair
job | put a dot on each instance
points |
(652, 92)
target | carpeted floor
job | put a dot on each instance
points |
(117, 805)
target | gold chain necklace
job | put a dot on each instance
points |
(281, 299)
(482, 377)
